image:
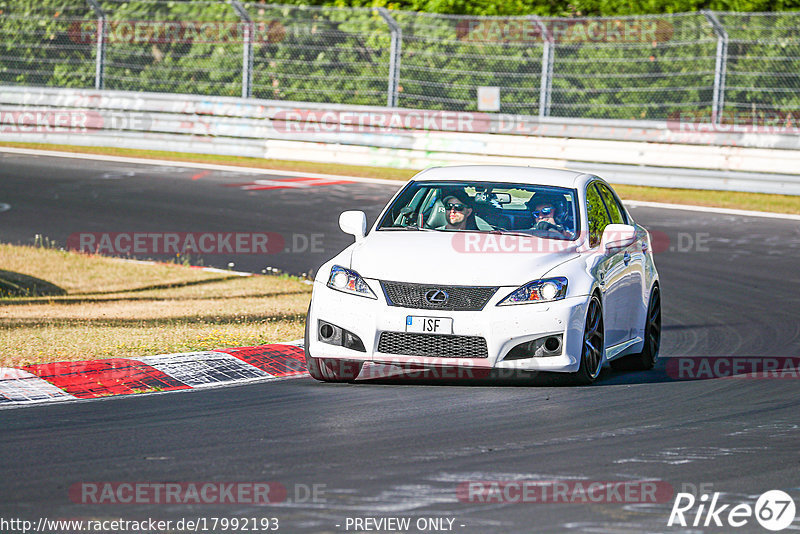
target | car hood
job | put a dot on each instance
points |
(458, 258)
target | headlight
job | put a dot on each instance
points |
(348, 281)
(545, 290)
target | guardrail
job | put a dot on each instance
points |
(664, 154)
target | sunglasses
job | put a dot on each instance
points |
(457, 207)
(544, 212)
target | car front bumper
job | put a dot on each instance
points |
(503, 328)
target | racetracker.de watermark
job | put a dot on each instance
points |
(733, 121)
(564, 491)
(177, 492)
(181, 32)
(511, 243)
(733, 367)
(126, 243)
(379, 121)
(138, 492)
(565, 31)
(70, 120)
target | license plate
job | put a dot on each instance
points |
(429, 325)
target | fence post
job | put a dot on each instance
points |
(546, 84)
(247, 54)
(394, 57)
(99, 70)
(718, 98)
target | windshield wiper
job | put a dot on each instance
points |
(411, 227)
(508, 232)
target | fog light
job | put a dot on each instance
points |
(552, 344)
(334, 335)
(329, 333)
(326, 331)
(537, 348)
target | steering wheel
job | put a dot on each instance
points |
(547, 225)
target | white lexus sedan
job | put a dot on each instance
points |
(489, 267)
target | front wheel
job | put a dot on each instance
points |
(645, 360)
(593, 345)
(328, 369)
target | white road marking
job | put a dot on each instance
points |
(4, 207)
(258, 184)
(707, 209)
(190, 165)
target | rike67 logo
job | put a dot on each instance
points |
(774, 510)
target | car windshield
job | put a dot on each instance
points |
(542, 211)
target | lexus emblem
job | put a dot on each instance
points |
(436, 296)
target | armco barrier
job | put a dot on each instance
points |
(741, 157)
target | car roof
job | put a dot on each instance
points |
(507, 174)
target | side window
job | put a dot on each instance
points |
(597, 215)
(614, 209)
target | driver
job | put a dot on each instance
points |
(546, 211)
(458, 212)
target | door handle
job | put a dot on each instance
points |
(626, 258)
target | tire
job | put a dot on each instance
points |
(645, 360)
(592, 346)
(328, 369)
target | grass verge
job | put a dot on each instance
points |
(697, 197)
(59, 306)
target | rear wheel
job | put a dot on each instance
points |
(593, 344)
(646, 359)
(328, 369)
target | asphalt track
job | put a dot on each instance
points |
(60, 197)
(731, 288)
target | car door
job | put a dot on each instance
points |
(609, 269)
(632, 290)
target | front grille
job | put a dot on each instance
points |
(432, 345)
(460, 298)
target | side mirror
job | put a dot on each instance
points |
(618, 236)
(354, 223)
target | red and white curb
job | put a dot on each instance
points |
(64, 381)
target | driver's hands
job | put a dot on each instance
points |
(546, 225)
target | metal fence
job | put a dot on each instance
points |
(709, 66)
